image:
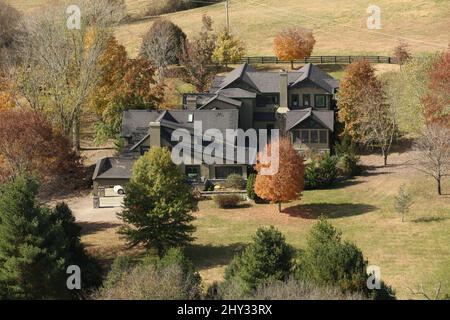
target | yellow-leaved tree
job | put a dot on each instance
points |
(229, 49)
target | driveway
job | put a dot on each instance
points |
(82, 208)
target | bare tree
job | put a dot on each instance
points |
(59, 66)
(379, 125)
(196, 57)
(433, 153)
(163, 44)
(402, 53)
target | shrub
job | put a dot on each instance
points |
(321, 173)
(234, 181)
(292, 289)
(267, 258)
(226, 201)
(251, 187)
(329, 261)
(169, 278)
(346, 151)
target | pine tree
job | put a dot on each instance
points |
(157, 204)
(267, 258)
(30, 268)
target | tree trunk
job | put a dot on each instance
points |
(385, 156)
(279, 207)
(292, 64)
(439, 186)
(76, 134)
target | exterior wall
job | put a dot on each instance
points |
(312, 91)
(107, 183)
(310, 124)
(246, 113)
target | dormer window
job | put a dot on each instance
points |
(190, 117)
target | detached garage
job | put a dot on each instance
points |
(110, 172)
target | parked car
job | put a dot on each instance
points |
(119, 190)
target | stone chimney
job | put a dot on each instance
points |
(155, 134)
(283, 92)
(191, 102)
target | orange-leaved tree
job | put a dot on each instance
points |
(437, 100)
(29, 143)
(358, 81)
(286, 184)
(294, 43)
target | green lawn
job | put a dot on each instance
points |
(409, 254)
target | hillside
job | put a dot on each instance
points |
(339, 25)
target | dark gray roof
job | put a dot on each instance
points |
(174, 119)
(318, 77)
(295, 117)
(222, 98)
(113, 168)
(237, 93)
(135, 123)
(269, 82)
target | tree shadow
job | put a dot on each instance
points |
(328, 210)
(94, 227)
(429, 219)
(208, 256)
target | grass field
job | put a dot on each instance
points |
(339, 25)
(410, 254)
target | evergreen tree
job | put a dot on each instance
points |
(157, 204)
(267, 258)
(29, 268)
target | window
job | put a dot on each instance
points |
(192, 172)
(294, 99)
(320, 101)
(304, 135)
(306, 100)
(310, 136)
(222, 172)
(296, 137)
(314, 136)
(323, 136)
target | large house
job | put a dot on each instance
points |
(299, 103)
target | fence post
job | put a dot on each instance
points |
(335, 59)
(321, 59)
(349, 59)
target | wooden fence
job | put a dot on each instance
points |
(319, 59)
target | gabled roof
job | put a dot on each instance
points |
(324, 117)
(222, 98)
(238, 73)
(113, 168)
(318, 77)
(237, 93)
(177, 119)
(269, 82)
